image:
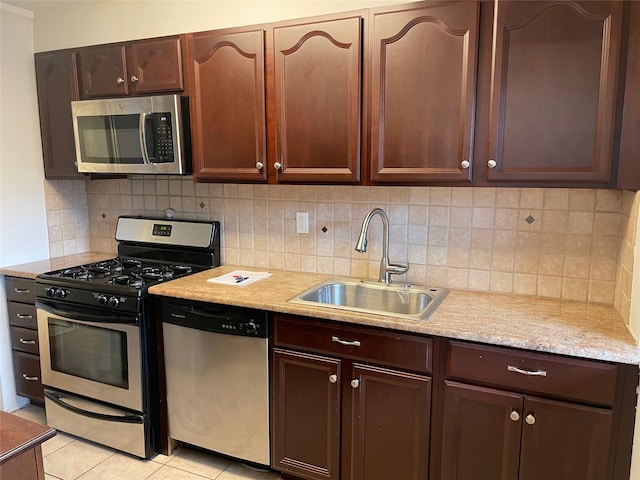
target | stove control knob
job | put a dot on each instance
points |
(113, 302)
(252, 327)
(102, 300)
(61, 293)
(50, 292)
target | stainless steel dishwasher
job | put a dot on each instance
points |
(216, 363)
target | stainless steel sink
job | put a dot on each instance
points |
(404, 301)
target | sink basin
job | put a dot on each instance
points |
(404, 301)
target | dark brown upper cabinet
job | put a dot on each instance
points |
(225, 74)
(317, 83)
(132, 68)
(553, 90)
(629, 169)
(423, 84)
(57, 82)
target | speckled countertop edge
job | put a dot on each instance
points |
(534, 323)
(555, 326)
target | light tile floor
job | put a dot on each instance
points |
(69, 458)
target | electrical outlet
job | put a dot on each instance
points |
(302, 222)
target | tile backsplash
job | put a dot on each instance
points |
(562, 243)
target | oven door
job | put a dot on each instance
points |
(91, 353)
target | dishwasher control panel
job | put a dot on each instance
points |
(212, 317)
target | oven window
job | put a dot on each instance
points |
(95, 353)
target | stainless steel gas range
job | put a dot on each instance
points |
(97, 331)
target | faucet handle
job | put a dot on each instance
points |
(398, 268)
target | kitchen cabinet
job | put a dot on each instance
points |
(522, 415)
(57, 83)
(23, 331)
(132, 68)
(341, 393)
(226, 77)
(316, 92)
(628, 172)
(553, 92)
(423, 83)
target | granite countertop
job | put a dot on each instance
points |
(548, 325)
(33, 269)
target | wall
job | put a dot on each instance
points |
(75, 25)
(453, 237)
(629, 262)
(22, 206)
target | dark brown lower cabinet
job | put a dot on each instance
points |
(496, 435)
(307, 415)
(389, 424)
(335, 417)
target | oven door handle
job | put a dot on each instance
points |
(94, 316)
(126, 418)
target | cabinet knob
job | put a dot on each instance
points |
(355, 383)
(277, 165)
(491, 163)
(27, 342)
(31, 379)
(465, 164)
(259, 165)
(333, 378)
(134, 79)
(515, 416)
(119, 80)
(530, 419)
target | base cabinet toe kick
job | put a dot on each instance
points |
(384, 404)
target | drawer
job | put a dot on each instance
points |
(26, 368)
(20, 289)
(22, 315)
(400, 350)
(532, 372)
(24, 339)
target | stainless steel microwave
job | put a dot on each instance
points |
(138, 135)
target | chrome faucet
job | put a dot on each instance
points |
(386, 267)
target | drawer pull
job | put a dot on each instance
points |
(24, 316)
(22, 290)
(352, 343)
(532, 373)
(333, 378)
(31, 379)
(27, 342)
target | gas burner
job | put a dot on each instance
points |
(129, 263)
(76, 272)
(120, 280)
(136, 282)
(98, 271)
(181, 269)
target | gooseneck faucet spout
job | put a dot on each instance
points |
(386, 267)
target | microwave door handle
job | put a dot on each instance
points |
(142, 129)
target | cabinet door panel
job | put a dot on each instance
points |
(566, 441)
(317, 101)
(57, 81)
(306, 439)
(157, 65)
(228, 105)
(423, 93)
(390, 424)
(103, 71)
(553, 90)
(479, 439)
